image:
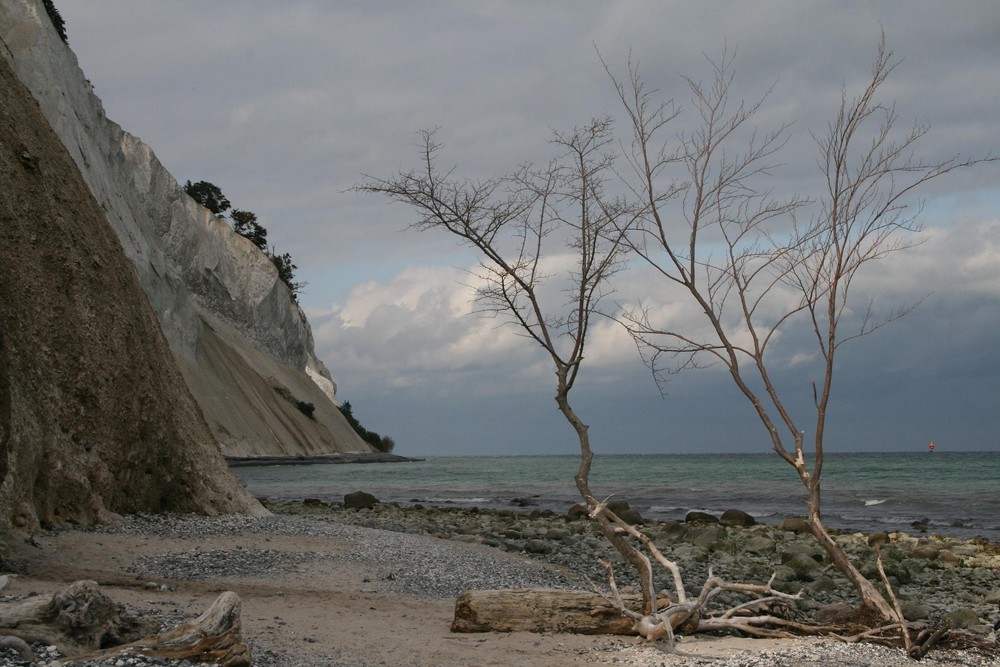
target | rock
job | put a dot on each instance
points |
(759, 544)
(671, 531)
(949, 558)
(795, 525)
(878, 538)
(360, 500)
(557, 534)
(914, 611)
(538, 547)
(631, 516)
(925, 551)
(706, 536)
(313, 502)
(700, 517)
(577, 511)
(961, 618)
(733, 517)
(802, 564)
(834, 613)
(618, 505)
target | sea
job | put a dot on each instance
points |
(951, 493)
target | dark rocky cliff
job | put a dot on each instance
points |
(241, 342)
(95, 417)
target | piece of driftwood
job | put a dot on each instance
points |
(540, 610)
(84, 623)
(76, 619)
(215, 636)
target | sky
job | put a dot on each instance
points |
(287, 105)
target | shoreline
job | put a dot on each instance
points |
(348, 457)
(325, 585)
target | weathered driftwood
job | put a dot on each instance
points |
(215, 636)
(540, 610)
(84, 623)
(76, 619)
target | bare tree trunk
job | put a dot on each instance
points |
(630, 553)
(871, 597)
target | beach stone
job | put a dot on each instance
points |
(538, 547)
(802, 564)
(949, 558)
(734, 517)
(795, 524)
(671, 531)
(759, 544)
(881, 537)
(700, 517)
(360, 500)
(557, 534)
(925, 551)
(914, 611)
(631, 516)
(963, 618)
(993, 597)
(706, 537)
(833, 612)
(577, 511)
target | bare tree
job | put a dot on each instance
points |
(514, 222)
(753, 267)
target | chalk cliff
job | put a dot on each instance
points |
(95, 417)
(241, 342)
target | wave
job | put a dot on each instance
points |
(869, 503)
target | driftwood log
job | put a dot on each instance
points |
(83, 623)
(76, 619)
(540, 610)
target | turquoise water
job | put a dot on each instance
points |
(956, 493)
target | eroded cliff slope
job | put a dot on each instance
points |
(95, 417)
(242, 343)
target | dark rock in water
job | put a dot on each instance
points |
(631, 516)
(360, 500)
(733, 517)
(618, 506)
(525, 502)
(700, 517)
(921, 525)
(795, 524)
(313, 502)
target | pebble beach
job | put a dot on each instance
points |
(426, 557)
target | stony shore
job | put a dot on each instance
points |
(404, 566)
(937, 579)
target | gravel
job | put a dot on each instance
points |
(417, 562)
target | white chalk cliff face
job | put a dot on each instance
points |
(242, 344)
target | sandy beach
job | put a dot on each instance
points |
(320, 592)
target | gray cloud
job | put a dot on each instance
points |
(286, 106)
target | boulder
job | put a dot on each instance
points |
(759, 544)
(360, 500)
(700, 517)
(961, 618)
(795, 524)
(734, 517)
(706, 536)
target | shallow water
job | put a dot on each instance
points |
(954, 493)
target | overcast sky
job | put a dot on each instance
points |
(286, 105)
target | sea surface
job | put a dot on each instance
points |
(953, 493)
